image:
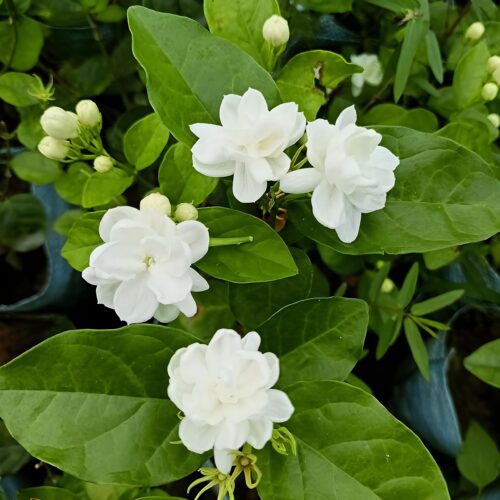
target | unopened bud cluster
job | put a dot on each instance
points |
(489, 91)
(159, 202)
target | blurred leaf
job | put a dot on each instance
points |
(65, 222)
(392, 114)
(12, 455)
(409, 285)
(438, 258)
(436, 303)
(399, 6)
(484, 363)
(15, 89)
(434, 55)
(29, 131)
(327, 6)
(417, 347)
(46, 493)
(32, 166)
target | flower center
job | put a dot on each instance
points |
(226, 392)
(149, 261)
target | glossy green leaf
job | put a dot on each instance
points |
(64, 222)
(484, 363)
(316, 339)
(240, 22)
(349, 447)
(470, 75)
(435, 303)
(189, 70)
(83, 238)
(479, 459)
(46, 493)
(266, 258)
(31, 166)
(417, 347)
(440, 258)
(298, 80)
(409, 285)
(180, 181)
(76, 400)
(253, 303)
(15, 89)
(392, 114)
(434, 55)
(144, 141)
(444, 196)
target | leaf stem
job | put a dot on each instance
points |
(237, 240)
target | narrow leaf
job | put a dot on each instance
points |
(417, 347)
(436, 303)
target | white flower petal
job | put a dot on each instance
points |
(328, 205)
(319, 133)
(197, 437)
(121, 261)
(348, 231)
(112, 216)
(166, 313)
(251, 341)
(196, 236)
(273, 364)
(168, 289)
(301, 181)
(228, 112)
(232, 435)
(245, 188)
(259, 169)
(224, 459)
(279, 407)
(279, 165)
(346, 117)
(383, 158)
(200, 284)
(222, 169)
(252, 106)
(260, 432)
(106, 294)
(134, 302)
(187, 306)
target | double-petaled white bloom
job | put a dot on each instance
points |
(351, 173)
(225, 391)
(59, 124)
(143, 269)
(372, 74)
(249, 144)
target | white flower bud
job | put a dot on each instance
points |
(494, 118)
(59, 124)
(55, 149)
(496, 76)
(475, 31)
(489, 91)
(493, 64)
(103, 164)
(158, 202)
(276, 31)
(185, 211)
(88, 113)
(387, 286)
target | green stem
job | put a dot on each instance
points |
(222, 242)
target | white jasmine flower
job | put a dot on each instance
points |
(103, 164)
(88, 113)
(372, 74)
(59, 124)
(55, 149)
(185, 211)
(351, 173)
(475, 31)
(276, 31)
(158, 202)
(225, 391)
(249, 144)
(143, 269)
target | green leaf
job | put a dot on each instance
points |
(189, 70)
(349, 447)
(12, 455)
(145, 140)
(440, 258)
(70, 185)
(436, 303)
(484, 363)
(395, 5)
(470, 75)
(29, 131)
(24, 47)
(298, 80)
(31, 166)
(316, 339)
(434, 55)
(417, 347)
(357, 382)
(392, 114)
(94, 404)
(253, 303)
(64, 222)
(415, 32)
(444, 196)
(46, 493)
(180, 181)
(266, 258)
(83, 238)
(478, 460)
(327, 6)
(409, 285)
(22, 222)
(15, 89)
(240, 22)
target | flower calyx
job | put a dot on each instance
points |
(283, 440)
(214, 477)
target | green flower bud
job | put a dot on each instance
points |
(489, 91)
(494, 118)
(475, 31)
(185, 211)
(493, 64)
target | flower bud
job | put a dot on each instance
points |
(88, 113)
(55, 149)
(475, 31)
(276, 31)
(103, 164)
(59, 124)
(493, 64)
(489, 91)
(496, 76)
(494, 118)
(156, 201)
(387, 286)
(185, 211)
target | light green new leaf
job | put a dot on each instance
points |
(436, 303)
(417, 347)
(434, 55)
(444, 196)
(144, 141)
(349, 447)
(15, 89)
(266, 258)
(470, 75)
(298, 80)
(94, 404)
(83, 238)
(189, 70)
(479, 460)
(484, 363)
(180, 181)
(253, 303)
(32, 166)
(316, 339)
(240, 22)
